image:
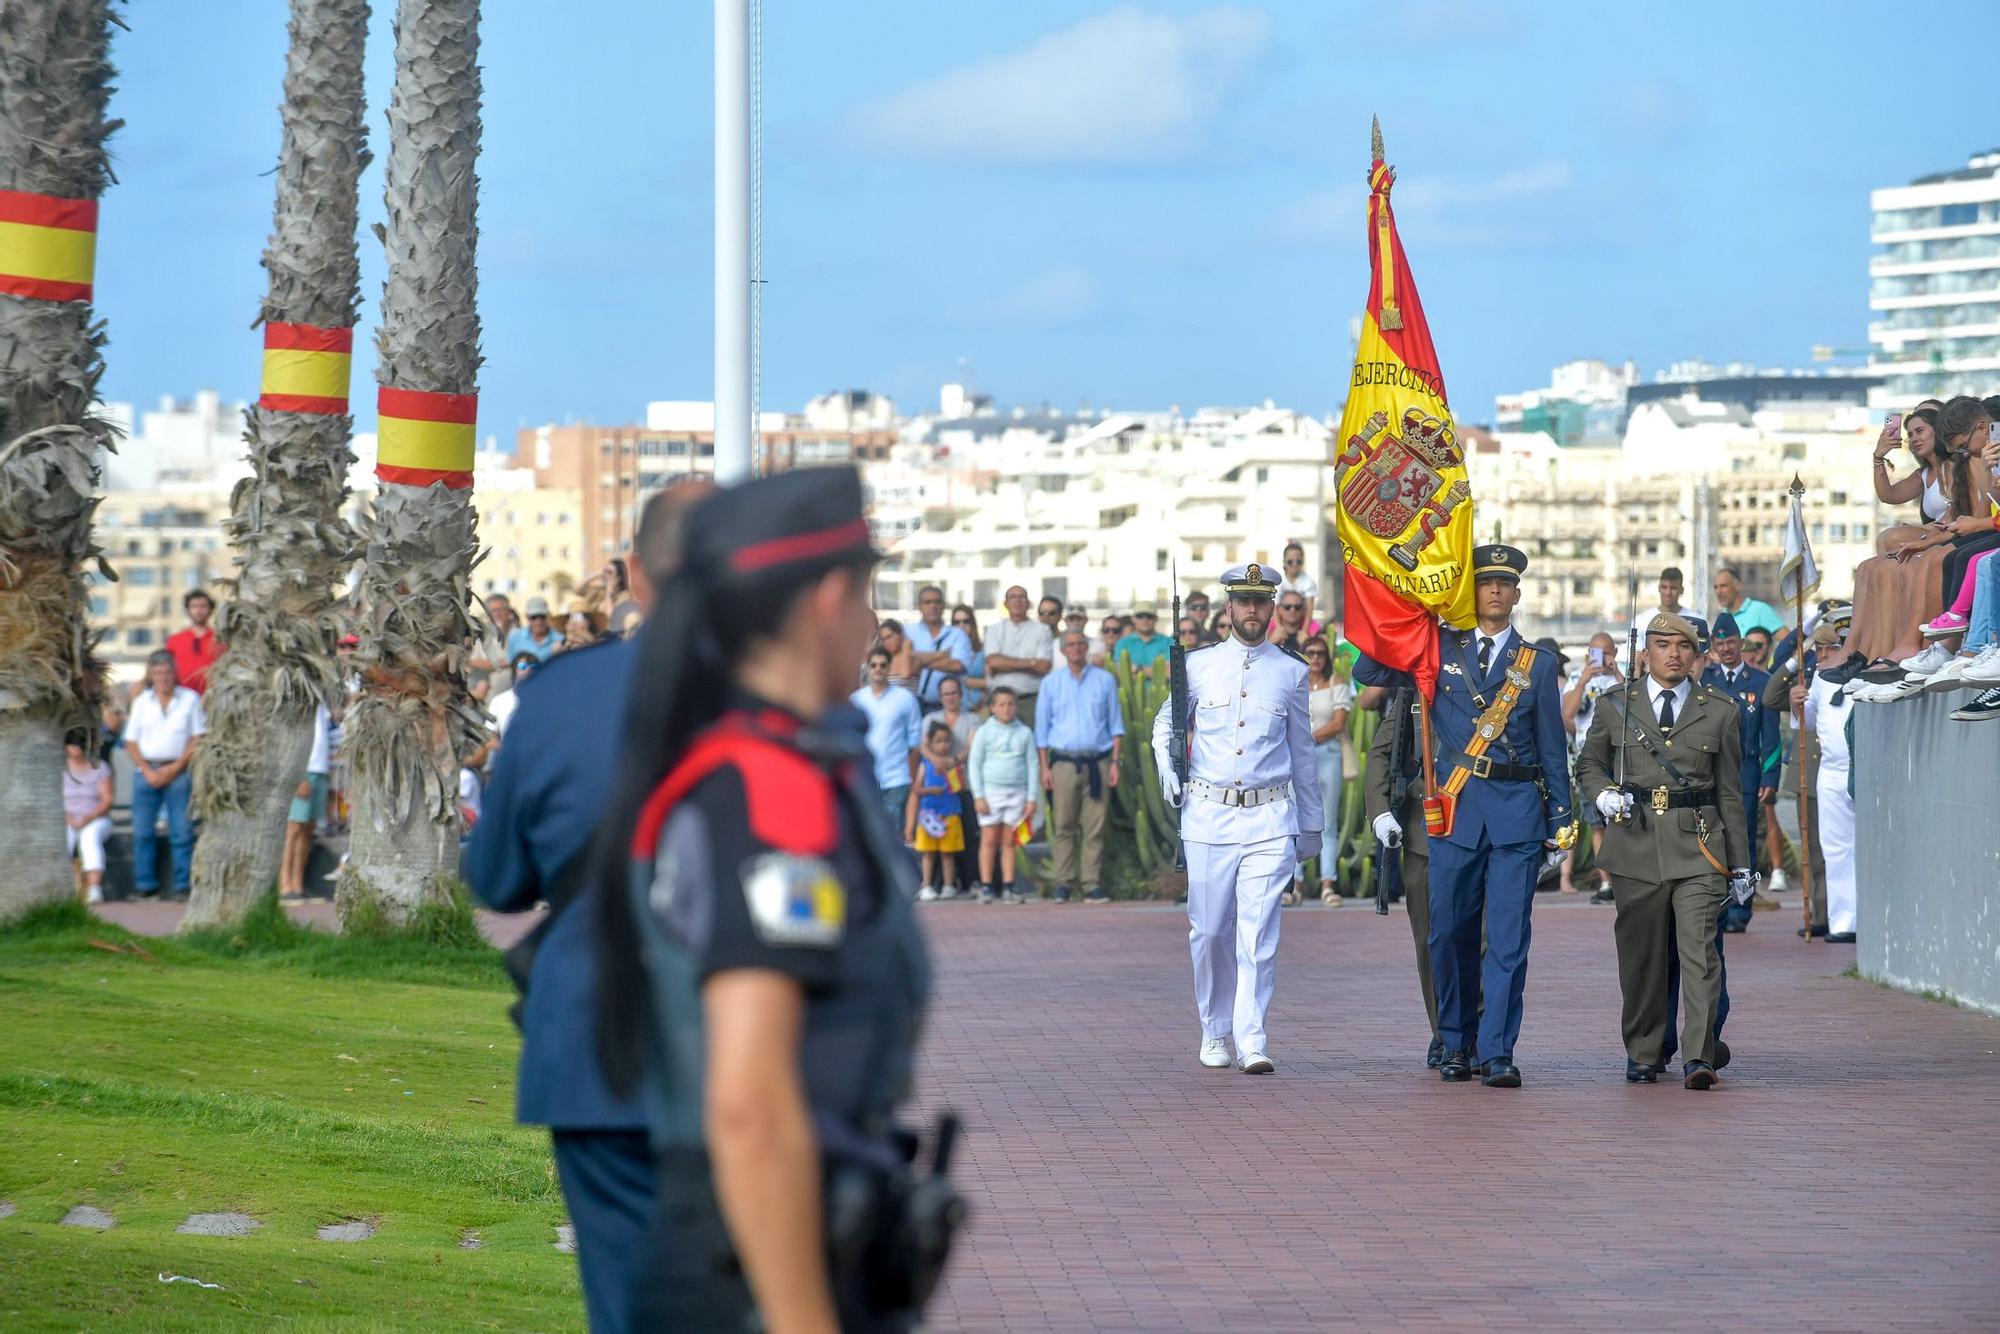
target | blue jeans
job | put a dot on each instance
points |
(1327, 760)
(147, 803)
(894, 799)
(1983, 627)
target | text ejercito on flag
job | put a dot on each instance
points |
(1404, 504)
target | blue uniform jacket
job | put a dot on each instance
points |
(1763, 753)
(548, 789)
(1502, 812)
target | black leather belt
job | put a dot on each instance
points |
(1670, 799)
(1485, 766)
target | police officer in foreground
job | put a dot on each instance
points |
(1394, 795)
(763, 966)
(1501, 816)
(1675, 845)
(1249, 818)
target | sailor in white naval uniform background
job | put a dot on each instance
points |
(1250, 815)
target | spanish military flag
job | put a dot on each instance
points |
(1405, 507)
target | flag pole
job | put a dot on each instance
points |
(1798, 490)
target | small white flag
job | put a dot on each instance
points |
(1798, 575)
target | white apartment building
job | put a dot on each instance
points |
(1099, 514)
(1935, 285)
(1693, 485)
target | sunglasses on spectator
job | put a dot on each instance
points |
(961, 620)
(1291, 606)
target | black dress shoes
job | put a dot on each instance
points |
(1819, 929)
(1500, 1073)
(1638, 1072)
(1698, 1075)
(1435, 1056)
(1456, 1067)
(1733, 928)
(1721, 1054)
(1840, 937)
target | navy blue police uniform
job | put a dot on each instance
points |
(549, 788)
(1762, 752)
(1515, 796)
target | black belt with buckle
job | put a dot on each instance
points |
(1485, 766)
(1672, 799)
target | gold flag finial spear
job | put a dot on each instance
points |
(1375, 139)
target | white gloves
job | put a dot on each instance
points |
(1170, 785)
(1742, 883)
(1553, 857)
(1613, 804)
(1388, 830)
(1309, 844)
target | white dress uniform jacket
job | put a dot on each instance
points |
(1250, 726)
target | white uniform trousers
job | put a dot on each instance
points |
(1836, 841)
(1233, 891)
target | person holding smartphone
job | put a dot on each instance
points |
(1599, 675)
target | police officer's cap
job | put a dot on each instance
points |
(787, 526)
(1725, 627)
(1666, 623)
(1253, 580)
(1499, 561)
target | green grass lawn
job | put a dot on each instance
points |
(302, 1079)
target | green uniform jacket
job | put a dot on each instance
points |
(1706, 746)
(1376, 781)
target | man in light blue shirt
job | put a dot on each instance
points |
(941, 650)
(1750, 614)
(895, 731)
(1077, 728)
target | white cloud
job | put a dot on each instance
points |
(1122, 88)
(1334, 212)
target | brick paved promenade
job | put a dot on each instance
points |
(1846, 1174)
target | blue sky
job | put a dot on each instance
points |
(1125, 205)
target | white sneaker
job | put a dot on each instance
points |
(1890, 692)
(949, 892)
(1934, 657)
(1215, 1053)
(95, 894)
(1984, 669)
(1951, 676)
(1257, 1063)
(1777, 881)
(926, 894)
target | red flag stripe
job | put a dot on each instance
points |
(456, 481)
(312, 403)
(1394, 632)
(76, 215)
(308, 338)
(43, 289)
(423, 406)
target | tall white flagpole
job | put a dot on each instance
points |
(732, 241)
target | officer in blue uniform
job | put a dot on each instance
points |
(549, 787)
(1502, 767)
(1762, 754)
(763, 971)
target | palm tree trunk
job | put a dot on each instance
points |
(55, 85)
(415, 719)
(292, 546)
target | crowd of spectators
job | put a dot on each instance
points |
(1016, 730)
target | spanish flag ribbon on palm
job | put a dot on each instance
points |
(1404, 504)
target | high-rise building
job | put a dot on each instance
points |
(1936, 285)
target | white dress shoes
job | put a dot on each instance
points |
(1215, 1053)
(1257, 1063)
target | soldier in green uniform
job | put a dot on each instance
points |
(1675, 844)
(1394, 806)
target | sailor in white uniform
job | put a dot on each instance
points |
(1250, 815)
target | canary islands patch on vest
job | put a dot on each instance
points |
(795, 900)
